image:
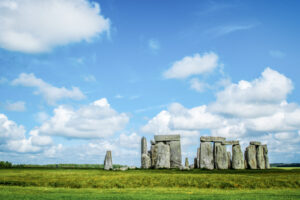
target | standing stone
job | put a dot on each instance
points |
(153, 156)
(162, 155)
(260, 157)
(187, 162)
(206, 155)
(229, 159)
(237, 157)
(198, 157)
(267, 163)
(245, 159)
(175, 154)
(221, 158)
(146, 161)
(143, 146)
(108, 161)
(195, 163)
(251, 157)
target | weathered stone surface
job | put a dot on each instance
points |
(211, 139)
(191, 166)
(124, 168)
(186, 162)
(260, 157)
(132, 167)
(195, 163)
(255, 143)
(146, 161)
(108, 161)
(251, 157)
(198, 157)
(245, 159)
(153, 156)
(152, 142)
(164, 138)
(175, 154)
(220, 158)
(162, 155)
(233, 142)
(237, 157)
(229, 159)
(143, 145)
(206, 155)
(266, 156)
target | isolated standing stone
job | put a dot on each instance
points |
(251, 157)
(143, 146)
(237, 157)
(162, 155)
(146, 161)
(260, 157)
(108, 161)
(206, 155)
(175, 154)
(221, 158)
(229, 159)
(186, 164)
(266, 156)
(198, 157)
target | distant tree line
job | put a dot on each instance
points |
(5, 164)
(285, 165)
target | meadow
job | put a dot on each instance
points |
(42, 183)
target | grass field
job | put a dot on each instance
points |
(149, 184)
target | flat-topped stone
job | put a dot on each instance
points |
(165, 138)
(233, 142)
(212, 139)
(255, 143)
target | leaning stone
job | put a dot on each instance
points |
(108, 161)
(221, 158)
(260, 157)
(163, 155)
(266, 156)
(237, 157)
(146, 161)
(251, 157)
(143, 146)
(255, 143)
(175, 154)
(234, 142)
(206, 156)
(198, 157)
(186, 162)
(164, 138)
(211, 139)
(229, 159)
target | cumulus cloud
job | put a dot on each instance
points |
(35, 26)
(50, 93)
(96, 120)
(197, 85)
(192, 65)
(18, 106)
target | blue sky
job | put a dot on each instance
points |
(80, 77)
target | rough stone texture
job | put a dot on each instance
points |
(195, 163)
(153, 156)
(198, 157)
(234, 142)
(146, 161)
(255, 143)
(211, 139)
(251, 157)
(162, 155)
(260, 157)
(175, 154)
(186, 164)
(152, 142)
(229, 159)
(237, 157)
(143, 146)
(164, 138)
(220, 155)
(108, 161)
(245, 159)
(206, 155)
(266, 156)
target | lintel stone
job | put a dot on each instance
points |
(165, 138)
(233, 142)
(212, 139)
(255, 143)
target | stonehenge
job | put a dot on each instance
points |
(256, 156)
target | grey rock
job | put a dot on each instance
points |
(237, 157)
(212, 139)
(233, 142)
(132, 167)
(143, 146)
(221, 158)
(162, 155)
(260, 157)
(124, 168)
(175, 154)
(195, 163)
(152, 142)
(164, 138)
(186, 162)
(153, 155)
(184, 168)
(206, 156)
(255, 143)
(229, 159)
(108, 161)
(146, 161)
(266, 156)
(192, 166)
(198, 157)
(251, 157)
(245, 159)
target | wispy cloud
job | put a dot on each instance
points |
(154, 44)
(18, 106)
(227, 29)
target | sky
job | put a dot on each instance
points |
(79, 77)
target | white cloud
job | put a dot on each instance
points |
(96, 120)
(34, 26)
(50, 93)
(277, 54)
(18, 106)
(89, 78)
(41, 117)
(192, 65)
(227, 29)
(195, 84)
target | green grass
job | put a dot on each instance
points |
(149, 184)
